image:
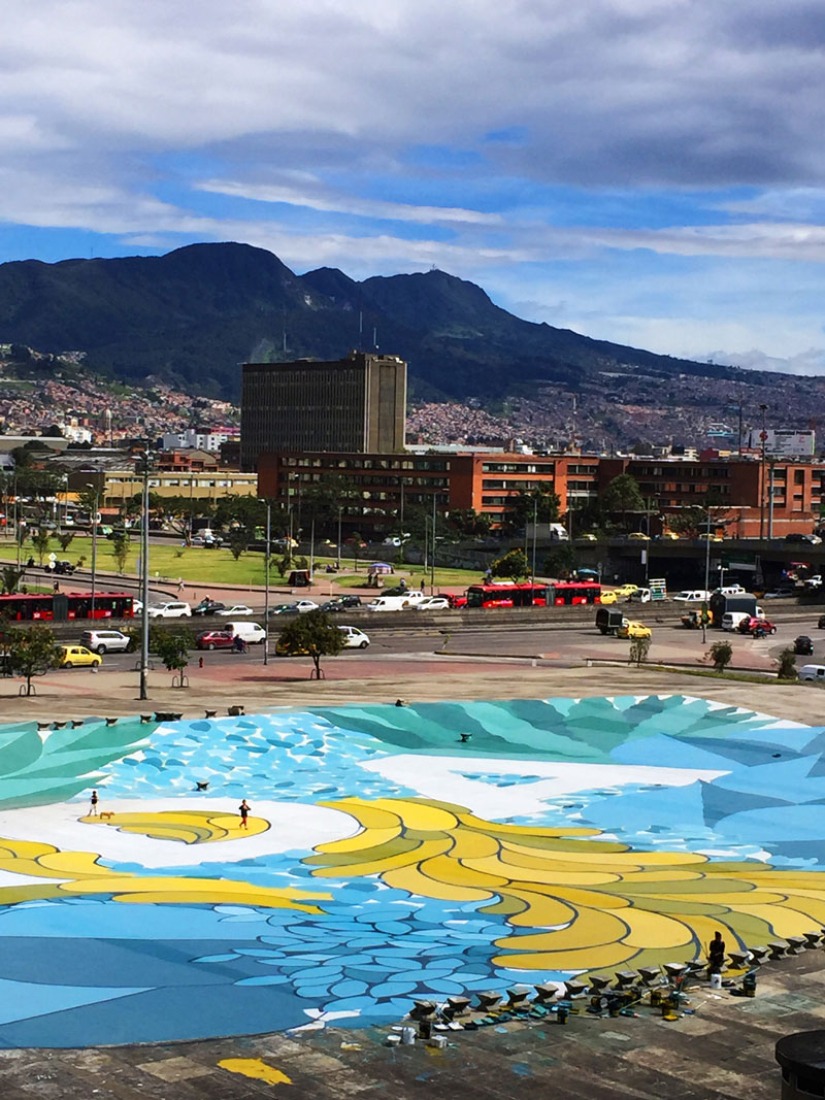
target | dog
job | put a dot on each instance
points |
(108, 814)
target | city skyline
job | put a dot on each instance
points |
(643, 171)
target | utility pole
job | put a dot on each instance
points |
(267, 548)
(144, 579)
(535, 525)
(705, 605)
(763, 437)
(432, 564)
(94, 546)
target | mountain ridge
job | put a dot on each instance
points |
(195, 313)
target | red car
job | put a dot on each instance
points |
(215, 639)
(756, 627)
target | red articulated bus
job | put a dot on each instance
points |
(559, 594)
(61, 606)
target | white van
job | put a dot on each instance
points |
(396, 603)
(813, 672)
(251, 633)
(692, 595)
(732, 619)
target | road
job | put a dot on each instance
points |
(561, 644)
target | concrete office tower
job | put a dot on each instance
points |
(355, 404)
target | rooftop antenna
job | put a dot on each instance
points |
(360, 330)
(375, 338)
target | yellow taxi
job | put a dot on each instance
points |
(608, 598)
(625, 591)
(632, 629)
(77, 656)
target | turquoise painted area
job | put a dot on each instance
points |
(92, 971)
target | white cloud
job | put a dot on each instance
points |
(521, 143)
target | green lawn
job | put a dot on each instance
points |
(196, 565)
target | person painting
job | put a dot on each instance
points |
(243, 810)
(716, 954)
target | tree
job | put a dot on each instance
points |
(469, 523)
(538, 503)
(721, 654)
(786, 669)
(560, 561)
(512, 565)
(238, 542)
(32, 652)
(120, 551)
(312, 634)
(10, 578)
(688, 522)
(40, 541)
(623, 495)
(173, 649)
(247, 512)
(65, 539)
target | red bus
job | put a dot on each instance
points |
(509, 595)
(567, 593)
(62, 606)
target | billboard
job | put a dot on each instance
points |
(784, 443)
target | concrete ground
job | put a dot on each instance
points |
(723, 1049)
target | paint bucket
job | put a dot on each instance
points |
(393, 1040)
(407, 1036)
(439, 1042)
(716, 981)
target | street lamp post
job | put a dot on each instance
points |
(763, 435)
(338, 554)
(96, 492)
(535, 524)
(705, 609)
(144, 580)
(267, 549)
(432, 563)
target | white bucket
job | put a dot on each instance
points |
(393, 1040)
(716, 981)
(408, 1036)
(438, 1041)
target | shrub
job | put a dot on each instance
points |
(721, 654)
(787, 665)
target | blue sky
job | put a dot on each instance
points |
(645, 171)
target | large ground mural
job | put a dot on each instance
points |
(390, 853)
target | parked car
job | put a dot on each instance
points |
(632, 629)
(341, 603)
(235, 611)
(77, 656)
(803, 644)
(107, 641)
(208, 607)
(215, 639)
(173, 609)
(757, 627)
(354, 638)
(433, 603)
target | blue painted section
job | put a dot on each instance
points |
(93, 971)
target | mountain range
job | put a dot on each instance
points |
(193, 315)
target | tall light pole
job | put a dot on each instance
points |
(432, 563)
(267, 548)
(705, 608)
(535, 524)
(763, 435)
(338, 555)
(96, 492)
(144, 580)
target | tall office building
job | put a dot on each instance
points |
(355, 404)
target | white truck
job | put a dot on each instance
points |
(404, 602)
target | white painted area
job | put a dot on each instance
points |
(443, 778)
(292, 826)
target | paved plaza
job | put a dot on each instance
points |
(511, 821)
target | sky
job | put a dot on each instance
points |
(650, 172)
